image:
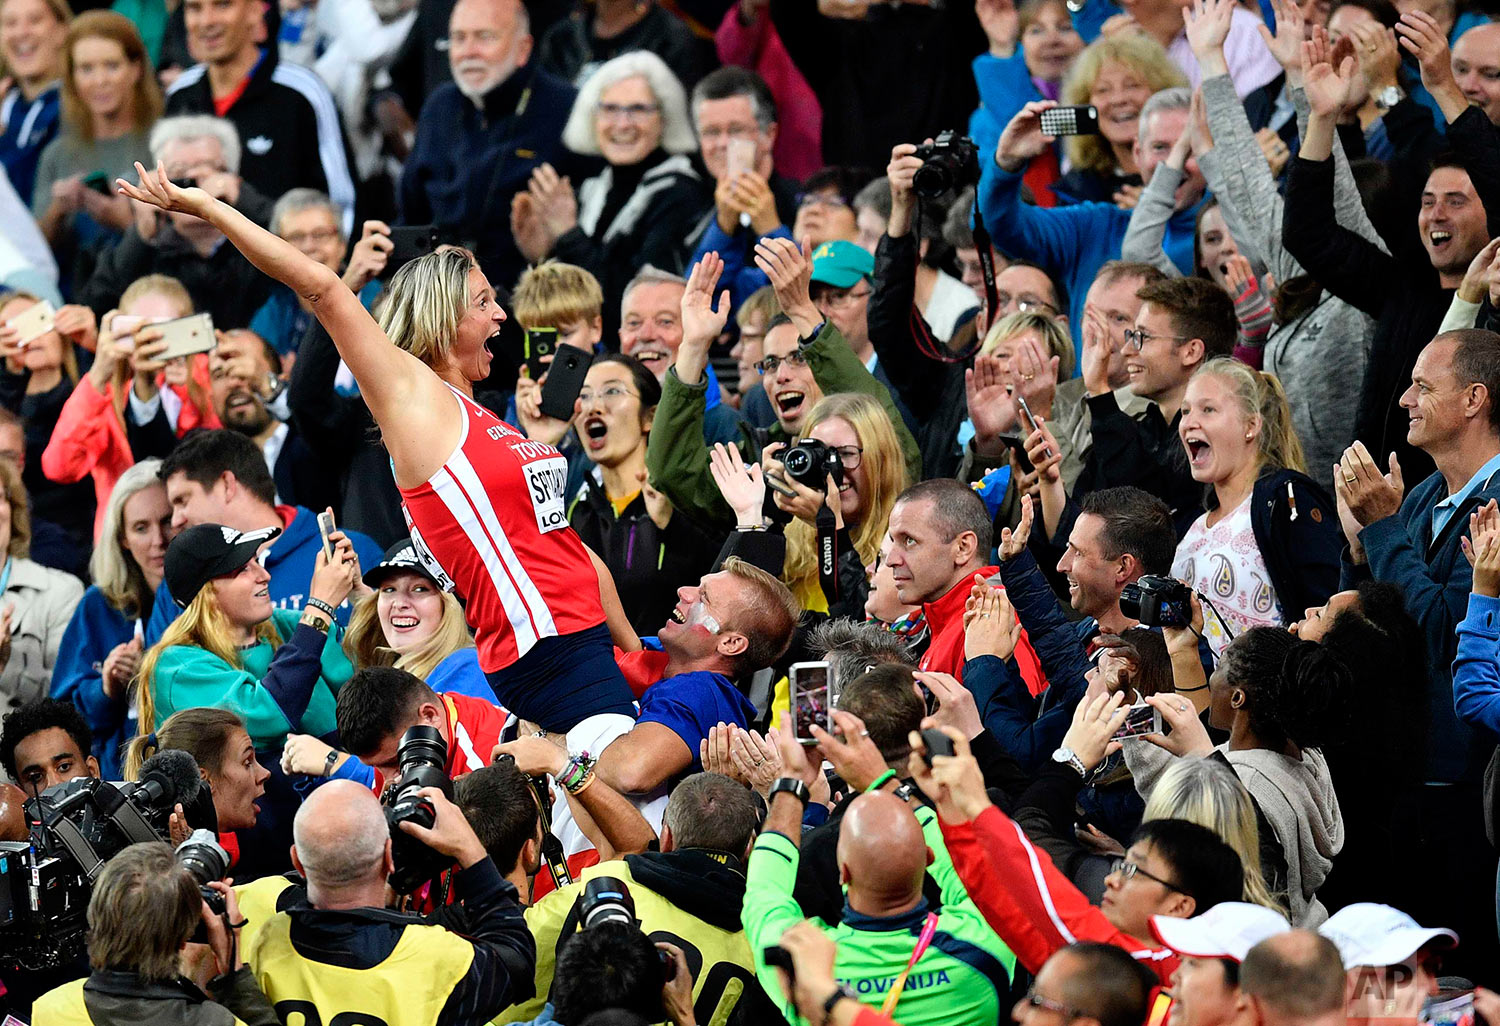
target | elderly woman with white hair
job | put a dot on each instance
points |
(647, 203)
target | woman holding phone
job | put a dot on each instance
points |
(485, 503)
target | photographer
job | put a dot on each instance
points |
(144, 909)
(613, 965)
(341, 951)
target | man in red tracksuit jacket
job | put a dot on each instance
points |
(940, 539)
(1172, 868)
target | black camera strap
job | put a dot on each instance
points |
(828, 554)
(552, 849)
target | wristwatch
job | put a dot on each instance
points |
(1065, 755)
(840, 993)
(1388, 98)
(792, 786)
(905, 791)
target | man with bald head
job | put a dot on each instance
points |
(480, 136)
(404, 968)
(1295, 978)
(886, 843)
(1476, 68)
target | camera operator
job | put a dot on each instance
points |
(144, 909)
(341, 951)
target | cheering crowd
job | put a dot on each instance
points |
(591, 512)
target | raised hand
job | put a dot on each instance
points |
(1023, 137)
(1369, 494)
(1094, 722)
(1207, 23)
(1013, 542)
(992, 409)
(1001, 24)
(1286, 44)
(743, 487)
(1035, 375)
(1482, 547)
(157, 190)
(789, 267)
(994, 629)
(1425, 40)
(552, 195)
(701, 323)
(954, 782)
(1328, 90)
(1379, 59)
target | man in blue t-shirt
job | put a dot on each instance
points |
(221, 477)
(735, 622)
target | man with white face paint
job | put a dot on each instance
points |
(480, 136)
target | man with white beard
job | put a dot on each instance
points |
(480, 136)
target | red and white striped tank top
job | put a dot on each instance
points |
(492, 525)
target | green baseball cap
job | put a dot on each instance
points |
(841, 264)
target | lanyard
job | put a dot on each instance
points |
(5, 576)
(929, 927)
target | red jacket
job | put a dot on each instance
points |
(945, 652)
(88, 439)
(1028, 902)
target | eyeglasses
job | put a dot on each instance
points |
(628, 111)
(314, 237)
(1127, 869)
(823, 199)
(1035, 1000)
(842, 300)
(849, 456)
(608, 396)
(715, 133)
(1136, 339)
(1023, 302)
(772, 363)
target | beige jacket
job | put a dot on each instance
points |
(44, 600)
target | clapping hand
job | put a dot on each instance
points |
(1013, 542)
(992, 409)
(1207, 24)
(701, 323)
(1425, 39)
(743, 486)
(1482, 547)
(1368, 494)
(1286, 44)
(1328, 90)
(553, 199)
(990, 624)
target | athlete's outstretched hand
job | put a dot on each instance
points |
(157, 190)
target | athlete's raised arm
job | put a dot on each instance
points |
(394, 384)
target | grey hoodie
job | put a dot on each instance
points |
(1295, 795)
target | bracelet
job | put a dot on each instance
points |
(747, 528)
(322, 607)
(577, 774)
(587, 782)
(881, 781)
(1189, 691)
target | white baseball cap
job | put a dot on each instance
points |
(1228, 930)
(1370, 934)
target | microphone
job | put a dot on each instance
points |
(167, 778)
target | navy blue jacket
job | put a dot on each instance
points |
(467, 163)
(1301, 551)
(96, 628)
(1435, 578)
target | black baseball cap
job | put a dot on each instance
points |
(400, 558)
(201, 553)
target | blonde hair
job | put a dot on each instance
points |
(202, 731)
(1209, 793)
(1259, 395)
(677, 133)
(427, 300)
(1139, 53)
(761, 303)
(145, 99)
(553, 294)
(113, 569)
(364, 639)
(201, 625)
(885, 469)
(1056, 338)
(20, 510)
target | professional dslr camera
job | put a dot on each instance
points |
(423, 758)
(949, 162)
(76, 827)
(606, 899)
(1157, 602)
(809, 463)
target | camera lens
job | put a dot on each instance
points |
(605, 899)
(203, 857)
(422, 746)
(797, 460)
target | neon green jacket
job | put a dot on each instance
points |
(962, 979)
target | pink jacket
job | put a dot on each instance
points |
(88, 439)
(799, 147)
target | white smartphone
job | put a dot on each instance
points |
(326, 526)
(33, 322)
(188, 336)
